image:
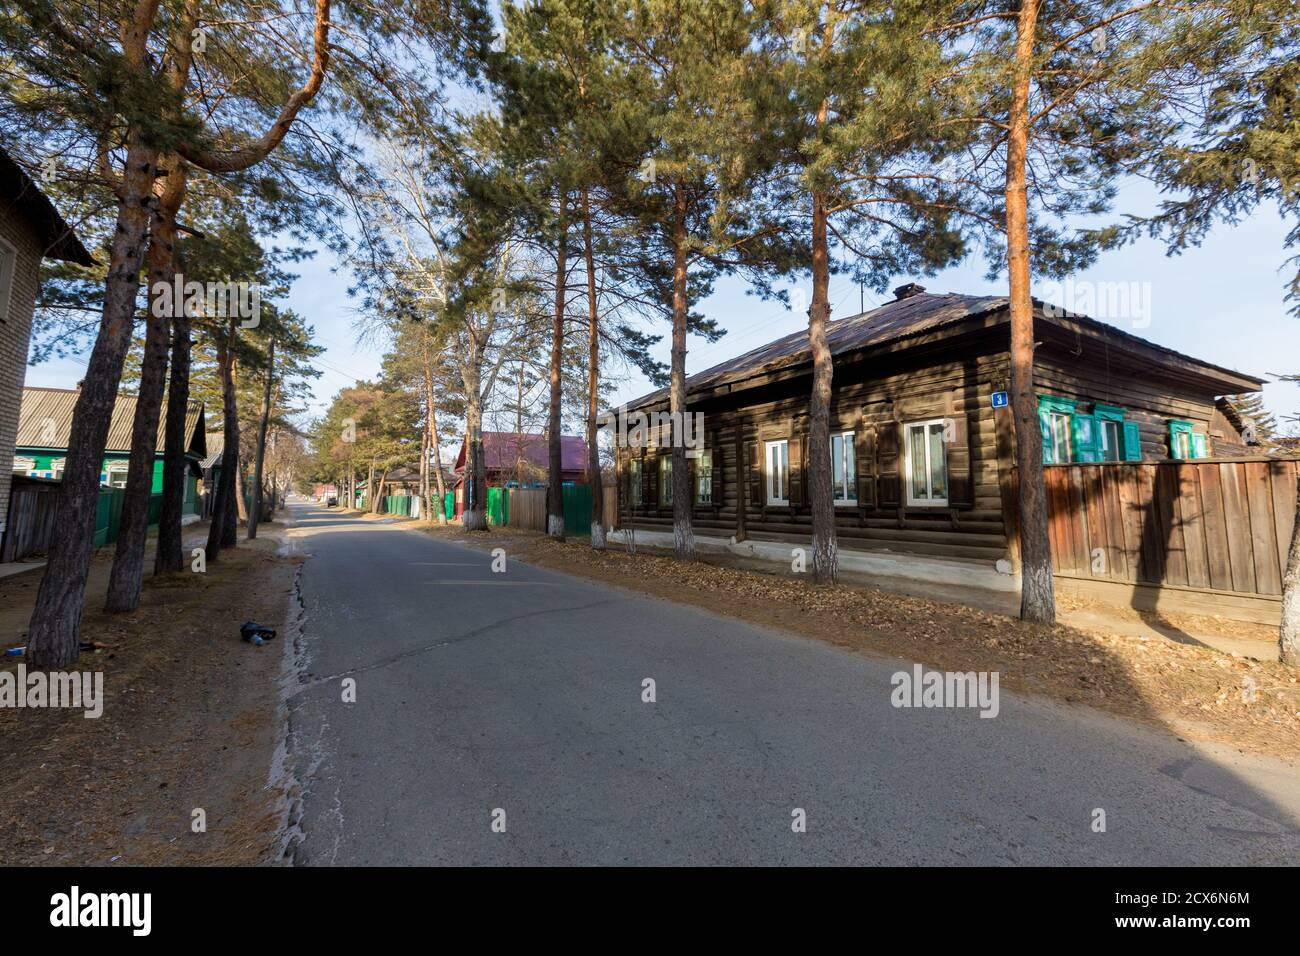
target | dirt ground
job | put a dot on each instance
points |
(1197, 692)
(190, 721)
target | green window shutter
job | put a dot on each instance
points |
(1132, 442)
(1200, 447)
(1083, 429)
(1177, 428)
(1045, 426)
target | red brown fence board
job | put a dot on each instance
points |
(1218, 525)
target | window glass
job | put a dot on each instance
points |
(665, 479)
(1060, 425)
(634, 479)
(938, 463)
(927, 464)
(844, 475)
(704, 478)
(837, 467)
(778, 472)
(1112, 446)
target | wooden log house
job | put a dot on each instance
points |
(922, 444)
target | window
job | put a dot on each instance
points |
(778, 472)
(704, 478)
(1112, 441)
(1072, 434)
(634, 481)
(844, 475)
(8, 262)
(665, 479)
(117, 475)
(927, 471)
(1186, 444)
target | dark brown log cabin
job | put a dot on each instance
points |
(924, 459)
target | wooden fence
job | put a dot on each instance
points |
(527, 509)
(32, 508)
(1221, 525)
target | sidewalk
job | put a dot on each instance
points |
(980, 587)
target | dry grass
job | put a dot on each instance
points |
(189, 722)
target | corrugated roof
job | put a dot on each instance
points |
(45, 421)
(502, 449)
(894, 320)
(216, 444)
(913, 315)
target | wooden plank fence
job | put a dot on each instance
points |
(527, 509)
(31, 520)
(1213, 525)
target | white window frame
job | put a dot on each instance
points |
(929, 471)
(8, 272)
(1107, 453)
(780, 495)
(123, 469)
(1052, 417)
(706, 455)
(850, 499)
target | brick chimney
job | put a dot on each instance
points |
(907, 291)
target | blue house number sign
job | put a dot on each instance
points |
(999, 399)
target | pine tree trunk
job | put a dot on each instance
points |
(555, 466)
(825, 552)
(127, 574)
(53, 637)
(223, 505)
(263, 422)
(474, 516)
(433, 440)
(1289, 633)
(683, 529)
(424, 471)
(1037, 601)
(169, 555)
(593, 382)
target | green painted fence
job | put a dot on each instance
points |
(108, 514)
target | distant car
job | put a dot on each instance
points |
(332, 501)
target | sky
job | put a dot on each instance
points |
(1222, 302)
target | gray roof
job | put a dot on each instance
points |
(45, 421)
(903, 318)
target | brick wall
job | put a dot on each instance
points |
(15, 335)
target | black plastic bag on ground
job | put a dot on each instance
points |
(256, 633)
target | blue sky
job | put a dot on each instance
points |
(1221, 302)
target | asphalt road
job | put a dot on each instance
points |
(516, 699)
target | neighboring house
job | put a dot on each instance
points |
(45, 424)
(922, 441)
(508, 455)
(30, 230)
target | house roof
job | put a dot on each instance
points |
(216, 443)
(56, 236)
(502, 449)
(45, 421)
(894, 321)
